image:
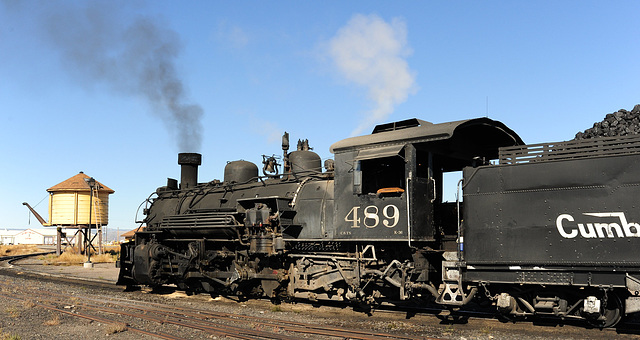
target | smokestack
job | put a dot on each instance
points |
(189, 163)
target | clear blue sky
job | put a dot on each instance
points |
(80, 88)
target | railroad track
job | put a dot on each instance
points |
(120, 310)
(134, 314)
(12, 258)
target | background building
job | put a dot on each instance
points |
(39, 236)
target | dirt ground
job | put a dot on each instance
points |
(26, 321)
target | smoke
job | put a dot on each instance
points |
(370, 52)
(132, 56)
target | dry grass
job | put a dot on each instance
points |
(276, 309)
(19, 249)
(54, 321)
(12, 312)
(116, 328)
(28, 304)
(72, 258)
(5, 336)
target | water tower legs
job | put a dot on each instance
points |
(59, 241)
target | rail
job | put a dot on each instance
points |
(595, 147)
(12, 258)
(169, 321)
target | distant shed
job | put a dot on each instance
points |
(8, 236)
(36, 236)
(129, 235)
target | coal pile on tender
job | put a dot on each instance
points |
(619, 123)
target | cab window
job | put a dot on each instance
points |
(382, 173)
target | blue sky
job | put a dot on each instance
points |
(76, 93)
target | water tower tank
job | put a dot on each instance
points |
(69, 202)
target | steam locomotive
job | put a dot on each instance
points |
(545, 229)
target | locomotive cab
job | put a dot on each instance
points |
(390, 183)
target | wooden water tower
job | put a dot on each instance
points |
(79, 202)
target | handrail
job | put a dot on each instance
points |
(595, 147)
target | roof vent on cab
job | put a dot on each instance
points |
(403, 124)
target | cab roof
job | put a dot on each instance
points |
(461, 134)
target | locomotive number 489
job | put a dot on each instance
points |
(371, 216)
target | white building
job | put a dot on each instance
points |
(28, 236)
(8, 236)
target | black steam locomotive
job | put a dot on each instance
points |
(546, 229)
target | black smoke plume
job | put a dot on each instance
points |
(100, 42)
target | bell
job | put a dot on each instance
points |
(268, 167)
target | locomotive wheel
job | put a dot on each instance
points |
(611, 314)
(613, 311)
